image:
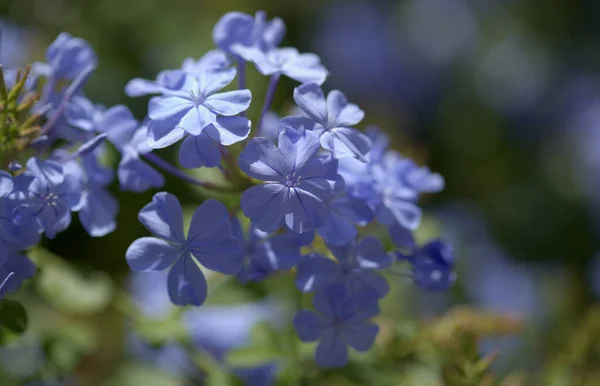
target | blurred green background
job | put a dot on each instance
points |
(502, 97)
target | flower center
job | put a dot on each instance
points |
(51, 199)
(292, 180)
(197, 97)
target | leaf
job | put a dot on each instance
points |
(251, 356)
(70, 291)
(13, 316)
(131, 374)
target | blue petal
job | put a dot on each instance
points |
(119, 123)
(164, 217)
(338, 230)
(341, 112)
(370, 254)
(229, 103)
(315, 272)
(214, 79)
(298, 148)
(405, 213)
(149, 254)
(98, 215)
(331, 352)
(402, 237)
(199, 151)
(6, 184)
(262, 160)
(13, 272)
(306, 211)
(361, 336)
(346, 142)
(265, 205)
(310, 98)
(229, 130)
(49, 172)
(164, 133)
(165, 107)
(211, 241)
(136, 175)
(306, 68)
(309, 325)
(186, 283)
(138, 87)
(196, 120)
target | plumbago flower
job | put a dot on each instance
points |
(209, 242)
(299, 192)
(298, 185)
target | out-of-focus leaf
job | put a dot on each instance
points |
(23, 357)
(68, 290)
(13, 316)
(251, 356)
(132, 374)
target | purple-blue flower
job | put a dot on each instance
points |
(304, 68)
(133, 172)
(299, 183)
(66, 58)
(209, 242)
(50, 197)
(196, 108)
(248, 37)
(13, 271)
(432, 265)
(333, 117)
(265, 253)
(341, 320)
(355, 267)
(345, 212)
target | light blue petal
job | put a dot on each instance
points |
(196, 120)
(310, 98)
(149, 254)
(98, 215)
(306, 68)
(214, 79)
(164, 217)
(229, 130)
(262, 160)
(165, 107)
(164, 133)
(229, 103)
(346, 142)
(341, 112)
(186, 283)
(199, 151)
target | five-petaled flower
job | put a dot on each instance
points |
(209, 242)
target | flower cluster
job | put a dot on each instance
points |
(309, 185)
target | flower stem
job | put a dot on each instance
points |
(171, 169)
(268, 99)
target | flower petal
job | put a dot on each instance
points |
(341, 112)
(331, 351)
(186, 283)
(165, 107)
(199, 151)
(229, 103)
(164, 217)
(298, 147)
(265, 205)
(361, 336)
(346, 142)
(309, 325)
(99, 212)
(310, 98)
(229, 130)
(196, 119)
(306, 68)
(214, 79)
(262, 160)
(315, 272)
(307, 211)
(164, 133)
(149, 254)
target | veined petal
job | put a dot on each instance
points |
(310, 98)
(164, 217)
(199, 151)
(309, 325)
(331, 351)
(196, 119)
(163, 133)
(315, 272)
(346, 142)
(214, 79)
(229, 130)
(186, 283)
(229, 103)
(166, 107)
(265, 205)
(262, 160)
(149, 254)
(306, 211)
(341, 111)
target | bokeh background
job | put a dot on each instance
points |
(502, 97)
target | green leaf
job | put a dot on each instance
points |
(13, 316)
(131, 374)
(70, 291)
(251, 356)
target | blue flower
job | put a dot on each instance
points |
(209, 242)
(432, 265)
(333, 117)
(135, 174)
(266, 253)
(66, 58)
(257, 376)
(304, 68)
(298, 185)
(248, 37)
(341, 320)
(355, 268)
(98, 208)
(51, 196)
(197, 108)
(345, 212)
(15, 269)
(171, 79)
(117, 122)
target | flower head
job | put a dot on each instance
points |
(298, 185)
(209, 242)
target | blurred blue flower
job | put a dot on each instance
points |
(135, 174)
(265, 254)
(432, 264)
(298, 185)
(344, 212)
(248, 37)
(333, 116)
(355, 268)
(209, 242)
(341, 320)
(304, 68)
(66, 58)
(15, 269)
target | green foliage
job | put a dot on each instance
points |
(13, 316)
